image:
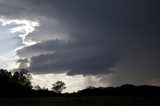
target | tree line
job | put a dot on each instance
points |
(18, 84)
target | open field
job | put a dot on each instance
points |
(82, 101)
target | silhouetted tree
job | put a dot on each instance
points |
(16, 84)
(22, 79)
(58, 87)
(5, 79)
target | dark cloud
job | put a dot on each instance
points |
(139, 68)
(79, 56)
(90, 36)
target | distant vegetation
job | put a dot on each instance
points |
(58, 87)
(18, 84)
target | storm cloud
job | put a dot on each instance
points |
(88, 37)
(91, 55)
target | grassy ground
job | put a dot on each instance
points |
(82, 101)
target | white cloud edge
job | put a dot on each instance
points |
(23, 28)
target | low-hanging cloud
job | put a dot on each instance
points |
(87, 37)
(81, 55)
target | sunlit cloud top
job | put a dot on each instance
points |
(23, 27)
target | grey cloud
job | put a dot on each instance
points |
(85, 55)
(23, 63)
(89, 36)
(90, 41)
(137, 68)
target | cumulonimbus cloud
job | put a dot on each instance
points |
(85, 36)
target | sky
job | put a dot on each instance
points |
(82, 42)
